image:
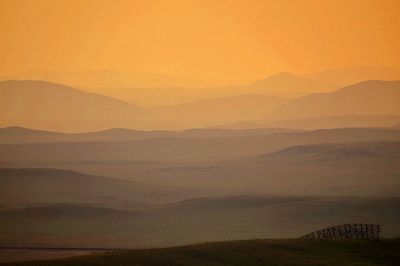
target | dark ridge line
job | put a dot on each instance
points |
(60, 248)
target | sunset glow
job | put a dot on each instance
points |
(223, 40)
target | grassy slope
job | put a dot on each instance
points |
(251, 252)
(191, 221)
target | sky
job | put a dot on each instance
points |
(227, 40)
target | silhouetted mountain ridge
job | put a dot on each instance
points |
(352, 75)
(366, 98)
(289, 85)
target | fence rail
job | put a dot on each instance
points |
(348, 231)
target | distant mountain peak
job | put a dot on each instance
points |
(283, 75)
(373, 97)
(279, 77)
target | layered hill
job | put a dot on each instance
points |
(336, 122)
(191, 221)
(9, 135)
(51, 106)
(210, 112)
(351, 162)
(348, 76)
(249, 252)
(363, 169)
(184, 149)
(365, 98)
(55, 106)
(35, 187)
(40, 186)
(113, 78)
(288, 85)
(46, 100)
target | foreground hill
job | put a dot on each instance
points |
(249, 252)
(190, 221)
(365, 98)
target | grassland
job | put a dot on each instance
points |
(249, 252)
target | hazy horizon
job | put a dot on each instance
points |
(132, 125)
(238, 40)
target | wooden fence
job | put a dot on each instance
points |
(348, 231)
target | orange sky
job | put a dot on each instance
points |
(229, 40)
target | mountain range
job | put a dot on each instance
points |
(54, 106)
(50, 106)
(365, 98)
(347, 76)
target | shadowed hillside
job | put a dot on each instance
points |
(362, 169)
(324, 169)
(36, 187)
(248, 252)
(177, 149)
(190, 221)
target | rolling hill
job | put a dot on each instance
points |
(280, 85)
(112, 78)
(36, 187)
(190, 221)
(248, 252)
(51, 106)
(361, 162)
(182, 149)
(347, 76)
(210, 112)
(46, 100)
(337, 122)
(365, 98)
(362, 169)
(10, 135)
(160, 89)
(47, 105)
(288, 85)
